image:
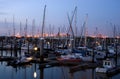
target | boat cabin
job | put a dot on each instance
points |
(108, 63)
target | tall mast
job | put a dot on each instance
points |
(114, 34)
(43, 24)
(72, 41)
(20, 29)
(70, 22)
(76, 22)
(96, 34)
(50, 30)
(13, 26)
(6, 24)
(26, 28)
(114, 31)
(33, 27)
(85, 31)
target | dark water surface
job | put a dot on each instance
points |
(27, 72)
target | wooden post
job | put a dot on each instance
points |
(71, 75)
(20, 43)
(42, 73)
(106, 48)
(15, 47)
(116, 55)
(93, 55)
(2, 48)
(28, 45)
(11, 46)
(41, 49)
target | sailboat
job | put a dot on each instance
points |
(71, 57)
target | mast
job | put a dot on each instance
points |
(26, 28)
(6, 27)
(76, 22)
(20, 29)
(70, 22)
(114, 35)
(43, 24)
(85, 31)
(42, 39)
(70, 28)
(96, 35)
(13, 26)
(50, 30)
(33, 27)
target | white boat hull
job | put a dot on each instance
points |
(101, 70)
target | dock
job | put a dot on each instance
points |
(83, 66)
(113, 71)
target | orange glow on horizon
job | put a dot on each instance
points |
(18, 35)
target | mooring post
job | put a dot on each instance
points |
(93, 55)
(116, 54)
(2, 48)
(28, 45)
(41, 49)
(71, 75)
(42, 73)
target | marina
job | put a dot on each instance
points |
(65, 63)
(59, 39)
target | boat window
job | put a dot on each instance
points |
(105, 63)
(108, 63)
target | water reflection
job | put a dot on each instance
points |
(42, 73)
(34, 71)
(102, 76)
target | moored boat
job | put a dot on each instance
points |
(108, 64)
(69, 58)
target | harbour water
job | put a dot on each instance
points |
(27, 72)
(33, 71)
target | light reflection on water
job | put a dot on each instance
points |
(27, 72)
(8, 72)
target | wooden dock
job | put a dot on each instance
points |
(83, 66)
(113, 71)
(7, 58)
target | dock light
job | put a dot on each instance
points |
(69, 45)
(35, 48)
(35, 74)
(48, 42)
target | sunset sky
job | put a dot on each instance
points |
(103, 14)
